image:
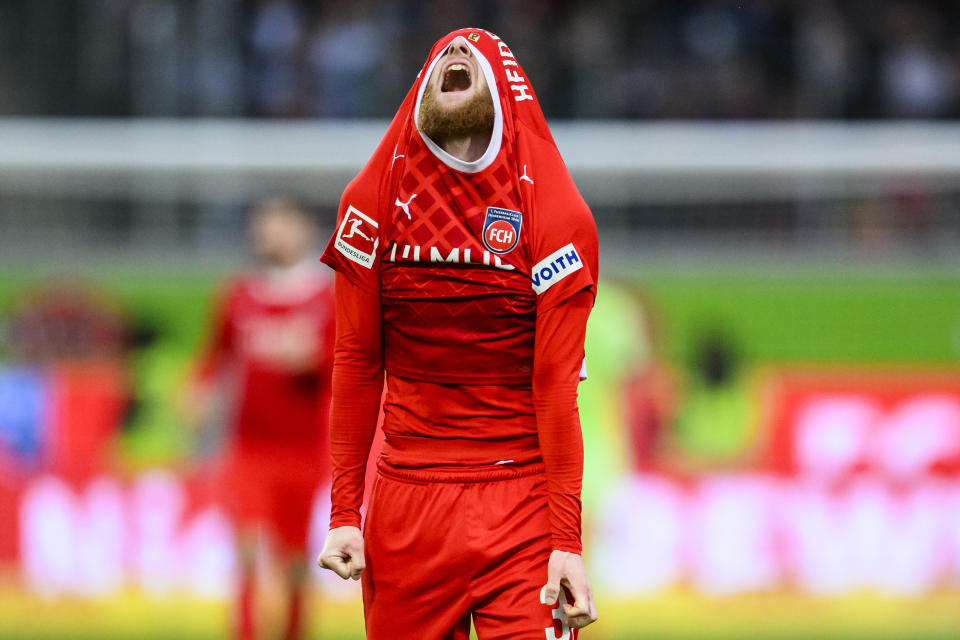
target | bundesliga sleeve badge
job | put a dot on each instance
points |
(357, 238)
(501, 230)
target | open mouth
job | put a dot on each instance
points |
(456, 78)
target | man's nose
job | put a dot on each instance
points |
(459, 45)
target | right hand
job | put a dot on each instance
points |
(343, 552)
(566, 570)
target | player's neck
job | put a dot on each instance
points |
(467, 148)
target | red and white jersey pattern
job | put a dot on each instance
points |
(463, 256)
(455, 311)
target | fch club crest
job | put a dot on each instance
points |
(501, 229)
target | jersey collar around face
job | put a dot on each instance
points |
(496, 137)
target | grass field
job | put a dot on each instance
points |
(796, 314)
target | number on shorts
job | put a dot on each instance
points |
(558, 614)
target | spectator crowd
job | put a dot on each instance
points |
(639, 59)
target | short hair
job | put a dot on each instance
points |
(282, 203)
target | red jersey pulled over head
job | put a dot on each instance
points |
(473, 262)
(452, 241)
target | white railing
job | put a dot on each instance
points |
(614, 163)
(692, 186)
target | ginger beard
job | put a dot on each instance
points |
(472, 116)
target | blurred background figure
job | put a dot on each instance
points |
(271, 353)
(714, 427)
(649, 390)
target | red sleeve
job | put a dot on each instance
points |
(357, 388)
(354, 250)
(558, 356)
(327, 337)
(564, 251)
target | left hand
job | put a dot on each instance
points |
(343, 552)
(566, 569)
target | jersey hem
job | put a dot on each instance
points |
(523, 379)
(482, 473)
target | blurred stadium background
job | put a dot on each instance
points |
(772, 423)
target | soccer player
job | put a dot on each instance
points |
(466, 268)
(273, 337)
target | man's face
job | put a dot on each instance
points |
(456, 101)
(280, 234)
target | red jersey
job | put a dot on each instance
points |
(464, 258)
(274, 334)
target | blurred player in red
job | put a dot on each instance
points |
(273, 340)
(466, 269)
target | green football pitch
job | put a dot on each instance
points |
(854, 314)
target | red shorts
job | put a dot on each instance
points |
(273, 488)
(445, 546)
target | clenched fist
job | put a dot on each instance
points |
(343, 552)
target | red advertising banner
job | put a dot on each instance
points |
(901, 426)
(857, 488)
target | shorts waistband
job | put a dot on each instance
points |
(459, 475)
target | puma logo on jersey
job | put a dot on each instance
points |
(555, 267)
(406, 205)
(525, 176)
(395, 156)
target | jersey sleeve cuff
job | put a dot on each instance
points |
(346, 520)
(565, 544)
